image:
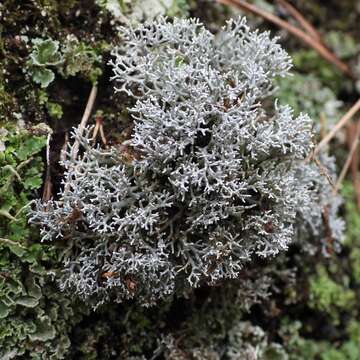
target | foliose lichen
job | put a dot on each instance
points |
(34, 319)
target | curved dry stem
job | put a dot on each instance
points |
(300, 34)
(296, 14)
(84, 120)
(354, 147)
(350, 113)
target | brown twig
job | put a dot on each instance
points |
(63, 149)
(323, 125)
(99, 129)
(84, 120)
(296, 14)
(300, 34)
(96, 129)
(102, 135)
(350, 113)
(352, 151)
(47, 191)
(324, 172)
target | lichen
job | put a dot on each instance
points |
(209, 178)
(35, 320)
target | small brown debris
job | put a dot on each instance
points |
(109, 274)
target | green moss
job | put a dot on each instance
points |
(178, 8)
(352, 240)
(328, 296)
(308, 61)
(355, 264)
(55, 110)
(352, 216)
(306, 94)
(344, 45)
(300, 348)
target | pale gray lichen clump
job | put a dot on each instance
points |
(208, 179)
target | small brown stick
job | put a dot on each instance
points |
(350, 113)
(99, 128)
(323, 125)
(47, 191)
(324, 172)
(96, 129)
(102, 135)
(63, 149)
(300, 34)
(84, 120)
(353, 148)
(296, 14)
